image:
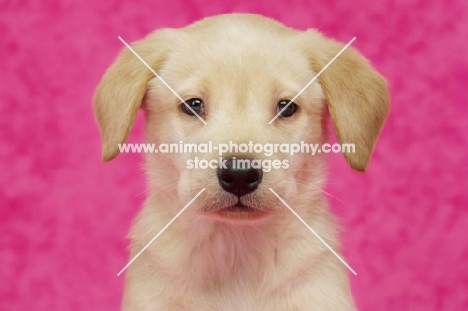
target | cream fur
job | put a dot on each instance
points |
(241, 66)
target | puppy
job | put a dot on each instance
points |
(237, 246)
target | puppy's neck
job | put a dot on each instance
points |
(203, 252)
(228, 250)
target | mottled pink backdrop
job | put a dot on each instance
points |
(64, 215)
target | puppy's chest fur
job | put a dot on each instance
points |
(219, 266)
(231, 268)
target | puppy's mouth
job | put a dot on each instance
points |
(238, 212)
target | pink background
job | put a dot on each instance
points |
(64, 215)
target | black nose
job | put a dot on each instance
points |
(238, 177)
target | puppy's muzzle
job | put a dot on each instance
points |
(238, 177)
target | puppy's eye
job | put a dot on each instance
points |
(290, 109)
(196, 105)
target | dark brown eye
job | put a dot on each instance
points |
(287, 109)
(196, 105)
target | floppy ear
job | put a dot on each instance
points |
(122, 88)
(357, 96)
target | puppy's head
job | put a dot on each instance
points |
(236, 73)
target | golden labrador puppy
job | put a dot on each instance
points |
(237, 246)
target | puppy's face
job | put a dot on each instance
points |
(237, 72)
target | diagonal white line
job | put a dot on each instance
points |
(161, 79)
(313, 79)
(160, 232)
(313, 231)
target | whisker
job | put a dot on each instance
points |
(165, 185)
(318, 188)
